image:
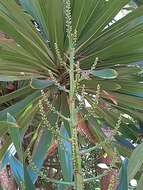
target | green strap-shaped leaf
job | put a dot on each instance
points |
(19, 106)
(4, 125)
(101, 15)
(25, 118)
(135, 161)
(5, 147)
(140, 183)
(128, 101)
(123, 181)
(40, 151)
(19, 170)
(105, 73)
(91, 85)
(15, 136)
(52, 12)
(16, 78)
(16, 94)
(20, 173)
(65, 155)
(99, 135)
(50, 16)
(41, 84)
(64, 110)
(112, 38)
(19, 26)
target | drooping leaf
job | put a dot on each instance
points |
(20, 173)
(135, 161)
(40, 151)
(65, 156)
(15, 136)
(123, 181)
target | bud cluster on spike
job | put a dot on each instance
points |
(35, 169)
(74, 38)
(51, 107)
(45, 120)
(54, 128)
(98, 93)
(67, 10)
(53, 78)
(44, 116)
(93, 67)
(77, 65)
(58, 54)
(74, 148)
(61, 61)
(118, 125)
(22, 185)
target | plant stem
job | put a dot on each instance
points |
(73, 122)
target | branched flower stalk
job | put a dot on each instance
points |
(72, 94)
(43, 173)
(52, 128)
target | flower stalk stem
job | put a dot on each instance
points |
(73, 121)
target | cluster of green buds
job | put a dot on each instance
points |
(51, 107)
(75, 157)
(118, 125)
(54, 129)
(42, 173)
(112, 182)
(98, 93)
(93, 67)
(67, 10)
(53, 78)
(91, 111)
(45, 120)
(59, 57)
(74, 37)
(58, 54)
(22, 185)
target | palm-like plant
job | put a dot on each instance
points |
(64, 53)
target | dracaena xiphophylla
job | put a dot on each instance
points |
(69, 61)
